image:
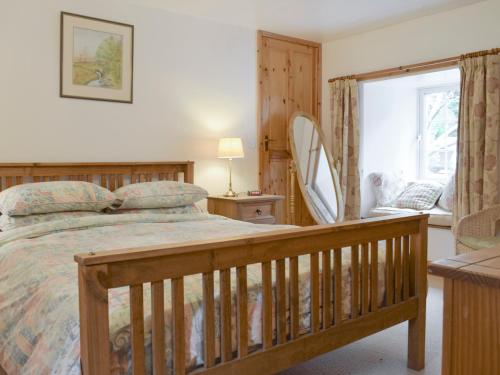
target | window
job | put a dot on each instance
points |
(438, 122)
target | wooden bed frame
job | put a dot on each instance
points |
(405, 276)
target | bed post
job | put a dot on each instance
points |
(416, 326)
(94, 321)
(189, 174)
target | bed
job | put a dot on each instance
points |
(197, 293)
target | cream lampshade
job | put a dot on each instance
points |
(230, 148)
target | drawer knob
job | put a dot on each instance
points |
(258, 211)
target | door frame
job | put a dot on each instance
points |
(261, 34)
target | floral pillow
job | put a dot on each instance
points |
(420, 195)
(387, 187)
(446, 200)
(54, 196)
(159, 194)
(12, 222)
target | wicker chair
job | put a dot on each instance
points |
(484, 226)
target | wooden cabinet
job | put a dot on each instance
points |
(266, 209)
(471, 318)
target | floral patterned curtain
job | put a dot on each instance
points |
(345, 141)
(478, 134)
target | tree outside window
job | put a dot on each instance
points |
(439, 107)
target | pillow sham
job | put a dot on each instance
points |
(387, 187)
(13, 222)
(54, 196)
(446, 199)
(159, 194)
(188, 209)
(420, 195)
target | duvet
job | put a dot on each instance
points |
(39, 322)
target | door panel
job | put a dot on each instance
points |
(288, 82)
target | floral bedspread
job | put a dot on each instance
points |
(39, 321)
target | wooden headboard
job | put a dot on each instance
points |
(108, 175)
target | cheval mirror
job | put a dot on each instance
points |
(316, 174)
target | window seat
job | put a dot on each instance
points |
(438, 216)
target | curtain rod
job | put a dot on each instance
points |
(407, 69)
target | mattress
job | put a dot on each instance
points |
(39, 325)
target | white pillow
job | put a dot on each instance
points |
(420, 195)
(387, 187)
(446, 199)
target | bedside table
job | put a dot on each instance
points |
(264, 209)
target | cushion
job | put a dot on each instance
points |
(437, 216)
(387, 187)
(189, 209)
(159, 194)
(446, 199)
(477, 243)
(54, 196)
(419, 196)
(440, 217)
(13, 222)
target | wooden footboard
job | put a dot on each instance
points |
(405, 239)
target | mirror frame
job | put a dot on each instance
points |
(331, 165)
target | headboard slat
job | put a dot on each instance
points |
(110, 175)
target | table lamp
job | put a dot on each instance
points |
(230, 148)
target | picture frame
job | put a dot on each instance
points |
(96, 59)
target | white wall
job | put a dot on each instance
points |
(388, 133)
(441, 35)
(194, 81)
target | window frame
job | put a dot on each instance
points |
(421, 127)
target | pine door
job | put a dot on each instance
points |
(289, 81)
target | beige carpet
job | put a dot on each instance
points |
(385, 352)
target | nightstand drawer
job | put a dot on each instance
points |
(255, 211)
(263, 220)
(262, 209)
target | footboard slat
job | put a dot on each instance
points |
(337, 265)
(267, 307)
(355, 281)
(365, 282)
(242, 311)
(208, 319)
(281, 301)
(178, 330)
(406, 267)
(397, 270)
(374, 276)
(294, 297)
(314, 300)
(389, 273)
(225, 313)
(158, 327)
(327, 289)
(137, 329)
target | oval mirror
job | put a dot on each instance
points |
(318, 179)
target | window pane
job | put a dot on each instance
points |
(440, 119)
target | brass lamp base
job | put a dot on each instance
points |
(230, 194)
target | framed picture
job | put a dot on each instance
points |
(96, 59)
